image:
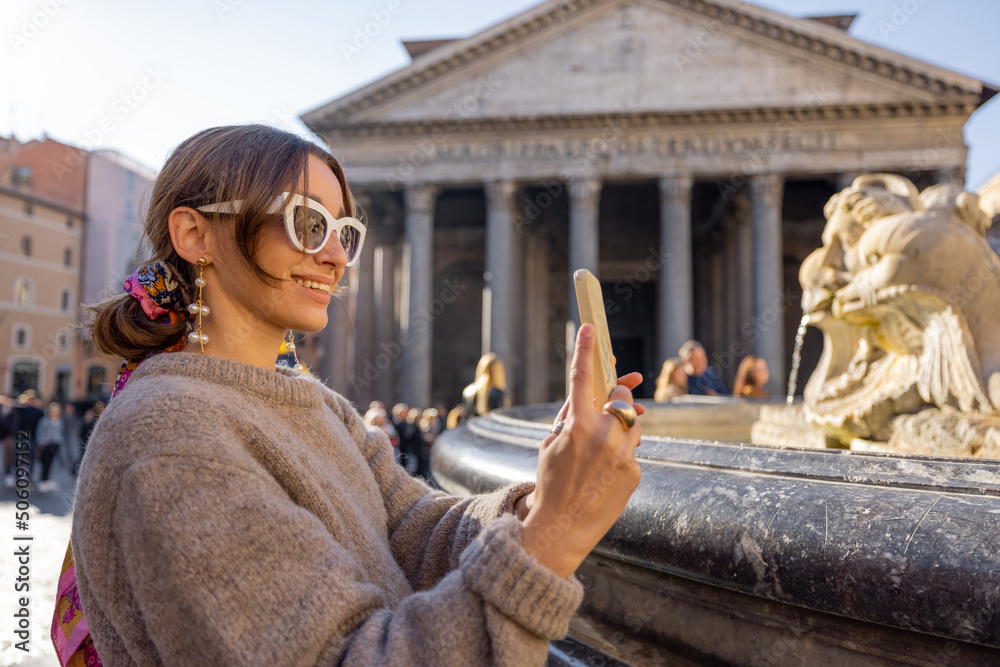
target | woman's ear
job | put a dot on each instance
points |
(190, 234)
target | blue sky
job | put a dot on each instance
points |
(141, 77)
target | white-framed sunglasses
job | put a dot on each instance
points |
(308, 223)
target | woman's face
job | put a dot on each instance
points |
(293, 303)
(679, 377)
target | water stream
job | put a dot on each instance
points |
(793, 376)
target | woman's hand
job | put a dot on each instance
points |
(586, 474)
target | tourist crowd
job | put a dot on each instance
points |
(689, 373)
(55, 432)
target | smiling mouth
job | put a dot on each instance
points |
(325, 288)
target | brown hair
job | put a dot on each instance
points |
(666, 379)
(252, 163)
(490, 375)
(746, 379)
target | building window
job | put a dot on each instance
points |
(22, 337)
(28, 209)
(24, 376)
(64, 379)
(20, 176)
(129, 211)
(68, 257)
(69, 223)
(95, 381)
(65, 297)
(26, 246)
(24, 292)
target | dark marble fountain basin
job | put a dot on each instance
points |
(740, 554)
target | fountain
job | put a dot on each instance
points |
(859, 527)
(906, 290)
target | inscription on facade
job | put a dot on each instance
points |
(714, 144)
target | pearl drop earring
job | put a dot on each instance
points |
(199, 308)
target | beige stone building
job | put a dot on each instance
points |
(69, 229)
(40, 253)
(682, 150)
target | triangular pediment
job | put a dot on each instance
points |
(588, 57)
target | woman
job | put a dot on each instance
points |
(488, 391)
(233, 512)
(751, 376)
(51, 438)
(672, 381)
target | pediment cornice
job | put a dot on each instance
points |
(812, 40)
(788, 118)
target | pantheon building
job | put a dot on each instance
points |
(682, 150)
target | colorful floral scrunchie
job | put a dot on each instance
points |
(158, 290)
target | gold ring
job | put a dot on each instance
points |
(626, 413)
(558, 427)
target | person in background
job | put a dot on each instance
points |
(51, 438)
(377, 417)
(86, 428)
(672, 382)
(489, 390)
(7, 439)
(430, 427)
(702, 378)
(27, 414)
(409, 439)
(751, 377)
(71, 436)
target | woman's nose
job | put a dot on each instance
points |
(333, 252)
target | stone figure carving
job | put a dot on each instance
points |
(906, 290)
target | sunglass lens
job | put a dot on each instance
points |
(310, 227)
(350, 238)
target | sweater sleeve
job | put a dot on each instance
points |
(428, 530)
(226, 569)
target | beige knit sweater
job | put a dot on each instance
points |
(232, 515)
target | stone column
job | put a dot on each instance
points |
(676, 317)
(335, 367)
(362, 300)
(769, 308)
(499, 270)
(537, 353)
(584, 248)
(416, 329)
(385, 333)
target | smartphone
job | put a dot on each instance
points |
(591, 304)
